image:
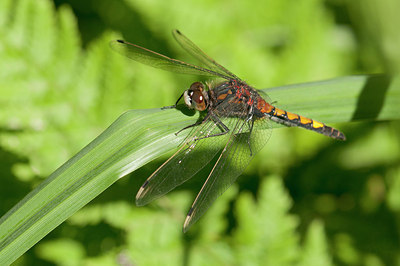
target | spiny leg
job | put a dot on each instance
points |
(173, 106)
(225, 129)
(199, 122)
(216, 120)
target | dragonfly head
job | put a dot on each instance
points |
(196, 97)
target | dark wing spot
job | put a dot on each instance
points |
(190, 212)
(145, 184)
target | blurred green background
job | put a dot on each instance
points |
(305, 199)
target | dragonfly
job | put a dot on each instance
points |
(236, 124)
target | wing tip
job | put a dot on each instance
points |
(139, 197)
(188, 220)
(186, 225)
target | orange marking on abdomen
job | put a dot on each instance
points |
(317, 124)
(263, 106)
(279, 112)
(292, 116)
(305, 120)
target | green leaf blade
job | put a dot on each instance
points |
(125, 146)
(139, 136)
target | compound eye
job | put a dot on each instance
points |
(197, 97)
(199, 101)
(194, 97)
(196, 86)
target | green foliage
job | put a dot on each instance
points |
(316, 251)
(337, 199)
(266, 232)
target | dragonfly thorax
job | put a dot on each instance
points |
(196, 97)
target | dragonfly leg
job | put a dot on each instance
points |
(173, 106)
(189, 126)
(195, 124)
(217, 121)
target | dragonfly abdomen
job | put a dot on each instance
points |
(294, 120)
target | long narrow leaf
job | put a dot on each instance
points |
(139, 136)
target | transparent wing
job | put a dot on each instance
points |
(154, 59)
(231, 163)
(197, 53)
(196, 152)
(264, 95)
